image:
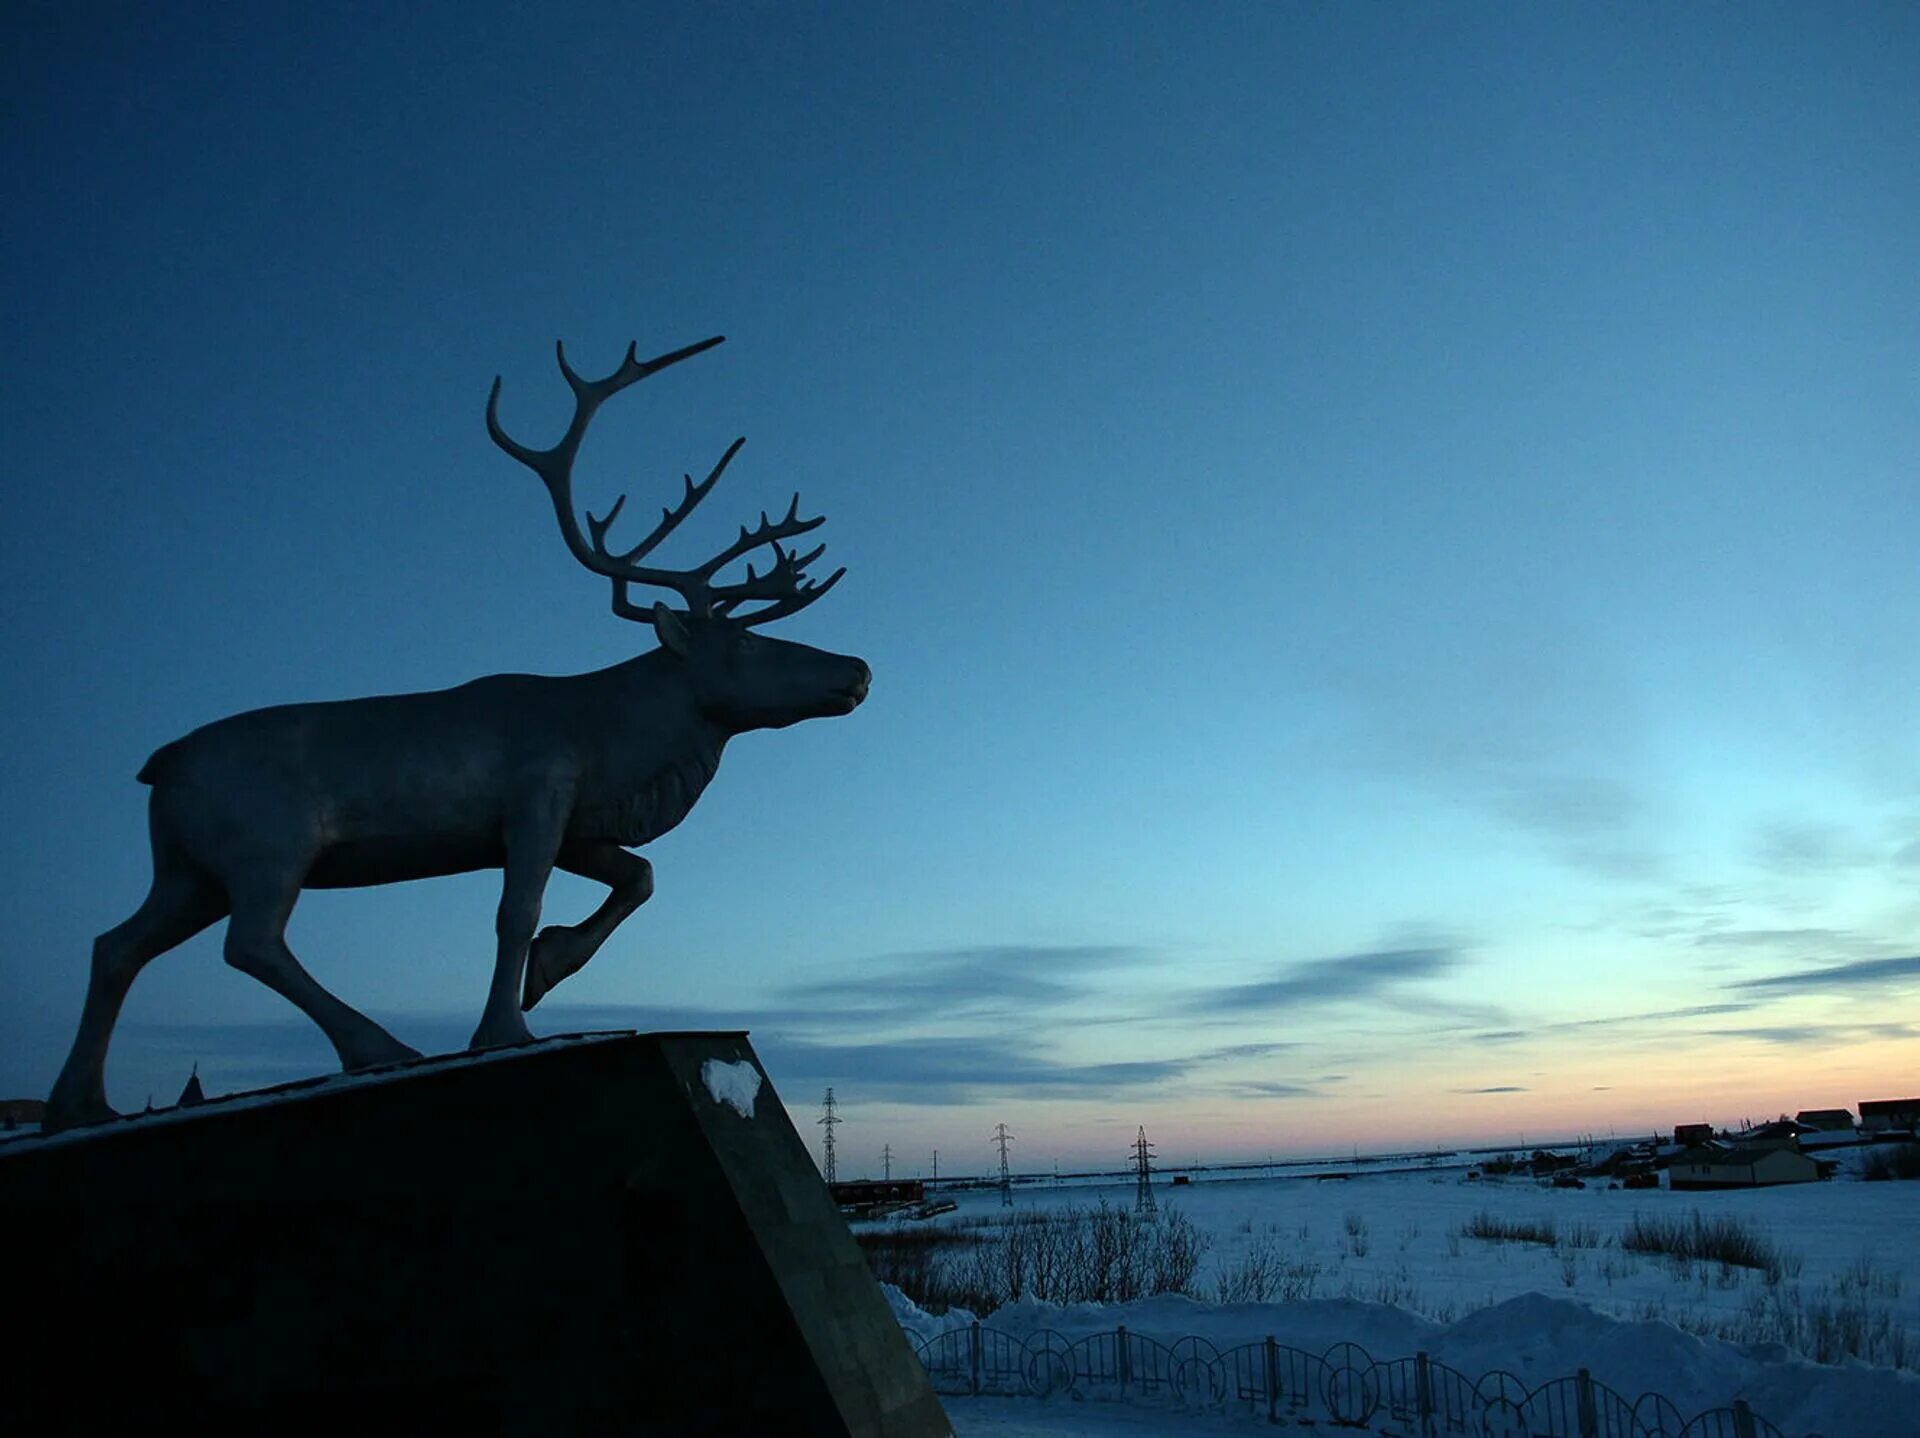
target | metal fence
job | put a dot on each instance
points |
(1417, 1397)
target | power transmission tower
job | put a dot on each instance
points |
(828, 1120)
(886, 1159)
(1143, 1174)
(1003, 1138)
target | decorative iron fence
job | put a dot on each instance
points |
(1417, 1397)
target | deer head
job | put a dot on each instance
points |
(741, 680)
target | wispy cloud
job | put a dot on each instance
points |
(1654, 1016)
(1818, 1035)
(1332, 980)
(1496, 1088)
(1246, 1051)
(1276, 1089)
(1773, 939)
(958, 1070)
(944, 982)
(1846, 978)
(1523, 741)
(1794, 848)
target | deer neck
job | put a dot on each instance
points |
(659, 757)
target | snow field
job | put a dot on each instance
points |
(1390, 1262)
(1405, 1240)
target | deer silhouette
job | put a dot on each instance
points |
(517, 772)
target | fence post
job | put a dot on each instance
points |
(1742, 1419)
(1423, 1392)
(1273, 1380)
(1120, 1355)
(973, 1356)
(1589, 1420)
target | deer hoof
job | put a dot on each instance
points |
(377, 1052)
(500, 1033)
(59, 1117)
(555, 953)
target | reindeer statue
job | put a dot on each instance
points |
(515, 772)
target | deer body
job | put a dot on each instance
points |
(417, 786)
(516, 772)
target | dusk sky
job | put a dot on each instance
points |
(1388, 537)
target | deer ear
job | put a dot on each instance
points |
(673, 634)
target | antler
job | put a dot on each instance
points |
(784, 584)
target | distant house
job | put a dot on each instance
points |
(1743, 1165)
(1689, 1134)
(1883, 1116)
(1827, 1120)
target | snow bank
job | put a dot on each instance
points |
(1534, 1336)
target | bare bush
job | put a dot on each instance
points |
(1072, 1255)
(1900, 1161)
(1723, 1239)
(1847, 1318)
(1495, 1229)
(1581, 1235)
(1357, 1240)
(1263, 1272)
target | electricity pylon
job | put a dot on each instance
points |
(1143, 1174)
(828, 1120)
(1003, 1138)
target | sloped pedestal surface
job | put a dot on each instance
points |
(573, 1237)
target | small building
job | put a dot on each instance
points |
(1826, 1120)
(1881, 1117)
(1687, 1135)
(1744, 1165)
(873, 1197)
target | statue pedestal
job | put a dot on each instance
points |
(581, 1235)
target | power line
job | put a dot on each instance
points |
(828, 1120)
(1003, 1138)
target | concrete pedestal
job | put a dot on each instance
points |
(580, 1236)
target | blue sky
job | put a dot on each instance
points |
(1385, 536)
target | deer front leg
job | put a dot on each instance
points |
(565, 949)
(533, 841)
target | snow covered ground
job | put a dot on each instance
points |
(1388, 1262)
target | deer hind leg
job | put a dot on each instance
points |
(181, 902)
(565, 949)
(257, 945)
